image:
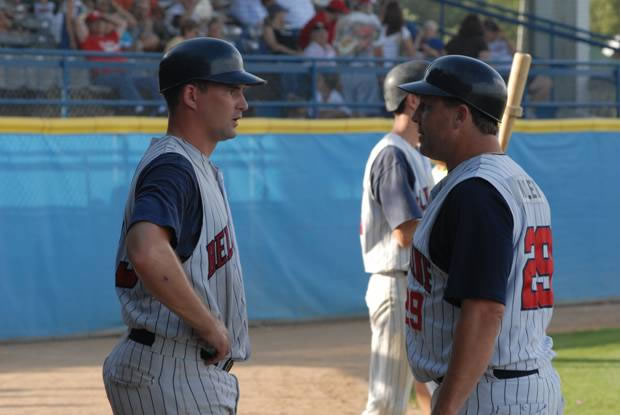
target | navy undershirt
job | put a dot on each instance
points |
(392, 185)
(472, 241)
(167, 194)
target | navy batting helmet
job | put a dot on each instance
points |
(206, 59)
(401, 74)
(467, 79)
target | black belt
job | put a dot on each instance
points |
(144, 337)
(504, 374)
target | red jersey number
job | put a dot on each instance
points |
(537, 274)
(414, 310)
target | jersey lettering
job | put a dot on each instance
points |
(420, 267)
(537, 273)
(422, 199)
(219, 251)
(414, 305)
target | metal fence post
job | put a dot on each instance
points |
(314, 103)
(64, 89)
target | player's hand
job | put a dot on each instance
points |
(218, 344)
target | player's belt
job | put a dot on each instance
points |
(504, 374)
(144, 337)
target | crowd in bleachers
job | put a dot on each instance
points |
(303, 28)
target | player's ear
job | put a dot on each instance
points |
(189, 96)
(460, 115)
(412, 101)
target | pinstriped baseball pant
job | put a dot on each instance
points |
(390, 379)
(151, 380)
(537, 394)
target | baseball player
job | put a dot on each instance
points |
(396, 185)
(178, 274)
(480, 290)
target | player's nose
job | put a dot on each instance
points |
(243, 104)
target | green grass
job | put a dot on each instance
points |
(588, 363)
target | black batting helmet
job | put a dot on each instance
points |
(467, 79)
(206, 59)
(401, 74)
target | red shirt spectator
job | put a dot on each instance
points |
(327, 17)
(99, 32)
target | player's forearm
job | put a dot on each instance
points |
(473, 345)
(404, 232)
(160, 271)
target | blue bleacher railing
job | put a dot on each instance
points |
(51, 77)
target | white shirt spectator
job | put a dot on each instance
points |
(248, 12)
(391, 44)
(335, 97)
(315, 50)
(299, 12)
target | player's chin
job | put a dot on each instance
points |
(229, 134)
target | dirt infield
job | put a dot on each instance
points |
(314, 368)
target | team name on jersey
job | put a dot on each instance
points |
(421, 269)
(219, 250)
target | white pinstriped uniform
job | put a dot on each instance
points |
(169, 377)
(522, 343)
(390, 380)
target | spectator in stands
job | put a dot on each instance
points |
(189, 30)
(355, 36)
(178, 11)
(395, 39)
(248, 13)
(100, 32)
(275, 39)
(328, 93)
(44, 10)
(319, 46)
(469, 40)
(499, 46)
(427, 43)
(328, 16)
(5, 22)
(501, 50)
(149, 30)
(112, 8)
(298, 13)
(67, 14)
(215, 27)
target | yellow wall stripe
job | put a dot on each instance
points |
(153, 125)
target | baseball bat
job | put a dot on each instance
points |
(515, 91)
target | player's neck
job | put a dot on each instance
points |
(476, 146)
(191, 133)
(407, 129)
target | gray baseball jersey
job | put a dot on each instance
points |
(390, 380)
(380, 252)
(169, 376)
(522, 343)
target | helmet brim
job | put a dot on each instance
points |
(237, 78)
(423, 88)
